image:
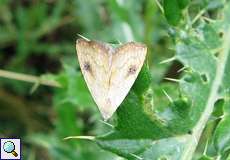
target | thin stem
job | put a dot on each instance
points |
(188, 19)
(208, 19)
(168, 60)
(28, 78)
(198, 16)
(91, 138)
(160, 6)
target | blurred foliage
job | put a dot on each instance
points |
(38, 37)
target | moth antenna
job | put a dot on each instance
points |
(91, 138)
(173, 80)
(106, 123)
(182, 69)
(168, 60)
(136, 156)
(83, 37)
(167, 95)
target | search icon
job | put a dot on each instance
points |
(9, 147)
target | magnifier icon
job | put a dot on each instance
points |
(9, 147)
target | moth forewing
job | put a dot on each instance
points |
(126, 65)
(93, 60)
(109, 73)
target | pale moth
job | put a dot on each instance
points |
(109, 72)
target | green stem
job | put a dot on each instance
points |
(198, 15)
(27, 78)
(160, 6)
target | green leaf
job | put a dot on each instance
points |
(136, 110)
(228, 157)
(75, 90)
(146, 131)
(144, 76)
(205, 158)
(140, 130)
(222, 132)
(212, 84)
(60, 149)
(66, 114)
(183, 3)
(222, 135)
(172, 11)
(210, 34)
(169, 148)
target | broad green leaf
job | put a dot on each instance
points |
(75, 89)
(222, 132)
(142, 132)
(210, 35)
(66, 113)
(60, 149)
(206, 158)
(217, 80)
(183, 3)
(222, 135)
(168, 148)
(139, 129)
(172, 11)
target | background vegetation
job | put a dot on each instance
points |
(37, 37)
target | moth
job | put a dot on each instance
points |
(109, 72)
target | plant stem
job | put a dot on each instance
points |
(28, 78)
(198, 16)
(160, 6)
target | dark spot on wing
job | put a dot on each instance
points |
(87, 66)
(132, 70)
